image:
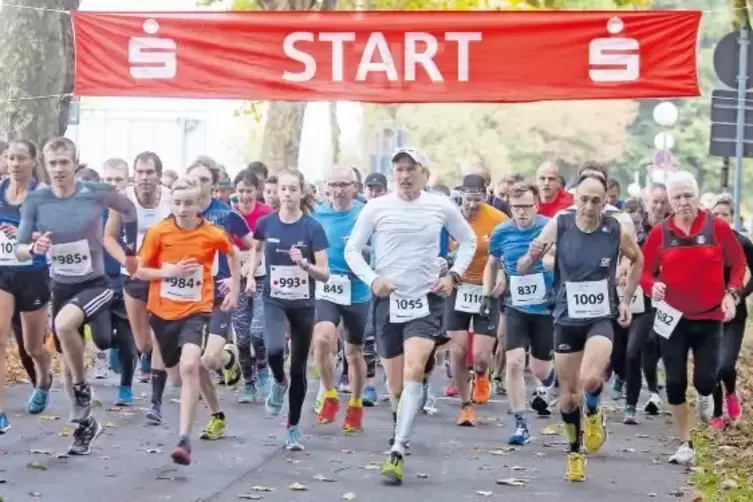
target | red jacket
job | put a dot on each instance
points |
(692, 265)
(563, 200)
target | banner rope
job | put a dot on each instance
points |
(60, 11)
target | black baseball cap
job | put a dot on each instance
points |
(473, 183)
(376, 179)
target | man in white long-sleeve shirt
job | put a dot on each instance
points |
(408, 307)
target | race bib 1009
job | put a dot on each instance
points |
(288, 282)
(336, 290)
(468, 298)
(183, 289)
(588, 299)
(404, 309)
(527, 289)
(71, 259)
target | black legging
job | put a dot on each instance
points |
(26, 360)
(127, 353)
(732, 340)
(619, 351)
(301, 321)
(639, 334)
(704, 339)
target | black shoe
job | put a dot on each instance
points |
(85, 433)
(82, 403)
(154, 415)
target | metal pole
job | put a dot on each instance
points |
(742, 87)
(725, 174)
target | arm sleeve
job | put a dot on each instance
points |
(359, 236)
(28, 219)
(461, 231)
(734, 257)
(651, 259)
(129, 218)
(495, 243)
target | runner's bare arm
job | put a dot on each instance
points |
(542, 245)
(116, 201)
(254, 258)
(319, 270)
(630, 251)
(490, 273)
(112, 233)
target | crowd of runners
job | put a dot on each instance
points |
(257, 281)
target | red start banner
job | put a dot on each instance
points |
(388, 57)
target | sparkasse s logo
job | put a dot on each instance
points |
(614, 59)
(151, 57)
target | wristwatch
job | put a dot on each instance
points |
(735, 294)
(455, 277)
(304, 264)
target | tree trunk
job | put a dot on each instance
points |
(38, 62)
(335, 132)
(284, 124)
(282, 135)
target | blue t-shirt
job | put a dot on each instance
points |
(306, 234)
(509, 243)
(11, 215)
(337, 227)
(222, 215)
(444, 243)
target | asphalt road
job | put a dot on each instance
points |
(130, 460)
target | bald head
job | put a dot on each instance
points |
(548, 181)
(342, 173)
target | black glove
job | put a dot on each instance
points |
(485, 310)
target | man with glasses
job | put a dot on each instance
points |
(462, 310)
(527, 317)
(343, 298)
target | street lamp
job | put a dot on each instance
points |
(665, 114)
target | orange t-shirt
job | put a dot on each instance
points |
(177, 298)
(488, 217)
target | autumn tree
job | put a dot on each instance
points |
(37, 59)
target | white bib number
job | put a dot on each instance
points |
(638, 302)
(587, 300)
(666, 319)
(8, 251)
(468, 298)
(288, 283)
(404, 309)
(183, 289)
(71, 259)
(527, 289)
(336, 290)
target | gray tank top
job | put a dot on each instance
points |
(77, 226)
(585, 266)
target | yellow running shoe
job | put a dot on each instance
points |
(595, 432)
(575, 464)
(215, 429)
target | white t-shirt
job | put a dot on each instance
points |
(405, 237)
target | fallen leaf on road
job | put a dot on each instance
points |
(517, 468)
(653, 495)
(656, 461)
(3, 481)
(35, 494)
(551, 430)
(111, 425)
(629, 450)
(422, 475)
(372, 466)
(512, 482)
(347, 452)
(36, 466)
(292, 461)
(349, 496)
(154, 450)
(259, 488)
(484, 493)
(643, 436)
(104, 458)
(48, 417)
(61, 455)
(298, 487)
(499, 453)
(323, 479)
(540, 454)
(67, 431)
(249, 496)
(40, 452)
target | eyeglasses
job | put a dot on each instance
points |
(341, 184)
(115, 180)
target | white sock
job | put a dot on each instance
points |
(407, 411)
